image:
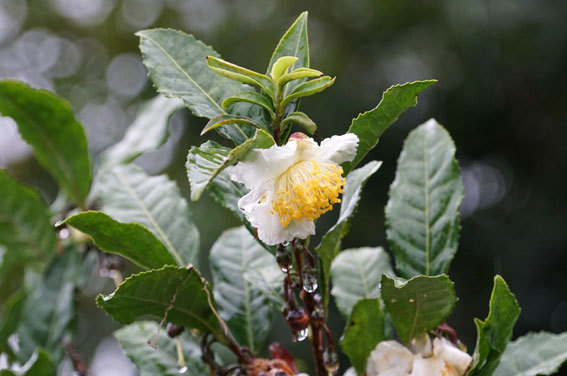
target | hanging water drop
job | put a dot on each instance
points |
(309, 279)
(301, 335)
(283, 258)
(181, 369)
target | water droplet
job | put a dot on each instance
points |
(301, 335)
(181, 369)
(309, 279)
(107, 297)
(63, 233)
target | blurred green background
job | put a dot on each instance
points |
(501, 66)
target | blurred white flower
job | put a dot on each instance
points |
(292, 185)
(390, 358)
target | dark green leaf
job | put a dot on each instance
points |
(250, 97)
(130, 240)
(10, 319)
(47, 123)
(178, 295)
(534, 354)
(330, 244)
(209, 159)
(419, 304)
(423, 210)
(128, 194)
(364, 330)
(182, 72)
(293, 43)
(244, 308)
(494, 333)
(370, 125)
(161, 360)
(25, 228)
(302, 119)
(223, 120)
(238, 73)
(41, 365)
(146, 133)
(49, 308)
(308, 88)
(356, 275)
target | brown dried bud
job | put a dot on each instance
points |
(174, 330)
(297, 319)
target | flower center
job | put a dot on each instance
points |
(307, 190)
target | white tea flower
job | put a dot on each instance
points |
(292, 185)
(390, 358)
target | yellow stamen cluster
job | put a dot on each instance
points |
(307, 190)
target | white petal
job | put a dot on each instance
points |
(262, 165)
(389, 358)
(426, 366)
(257, 208)
(422, 345)
(452, 356)
(338, 149)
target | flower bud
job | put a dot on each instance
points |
(174, 330)
(297, 319)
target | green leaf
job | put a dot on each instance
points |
(178, 295)
(205, 162)
(148, 131)
(223, 120)
(238, 73)
(308, 88)
(534, 354)
(41, 366)
(130, 240)
(11, 315)
(161, 360)
(299, 73)
(419, 304)
(494, 333)
(370, 125)
(184, 73)
(243, 306)
(128, 194)
(25, 227)
(356, 275)
(364, 330)
(330, 244)
(293, 43)
(422, 214)
(49, 308)
(47, 123)
(250, 97)
(301, 119)
(227, 193)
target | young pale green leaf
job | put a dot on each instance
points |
(494, 333)
(244, 308)
(178, 295)
(299, 73)
(49, 308)
(162, 359)
(419, 304)
(534, 354)
(184, 73)
(220, 120)
(227, 193)
(127, 194)
(293, 43)
(330, 244)
(129, 240)
(281, 67)
(238, 73)
(370, 125)
(12, 313)
(208, 160)
(308, 88)
(47, 123)
(25, 228)
(364, 330)
(301, 119)
(356, 275)
(251, 97)
(148, 131)
(422, 214)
